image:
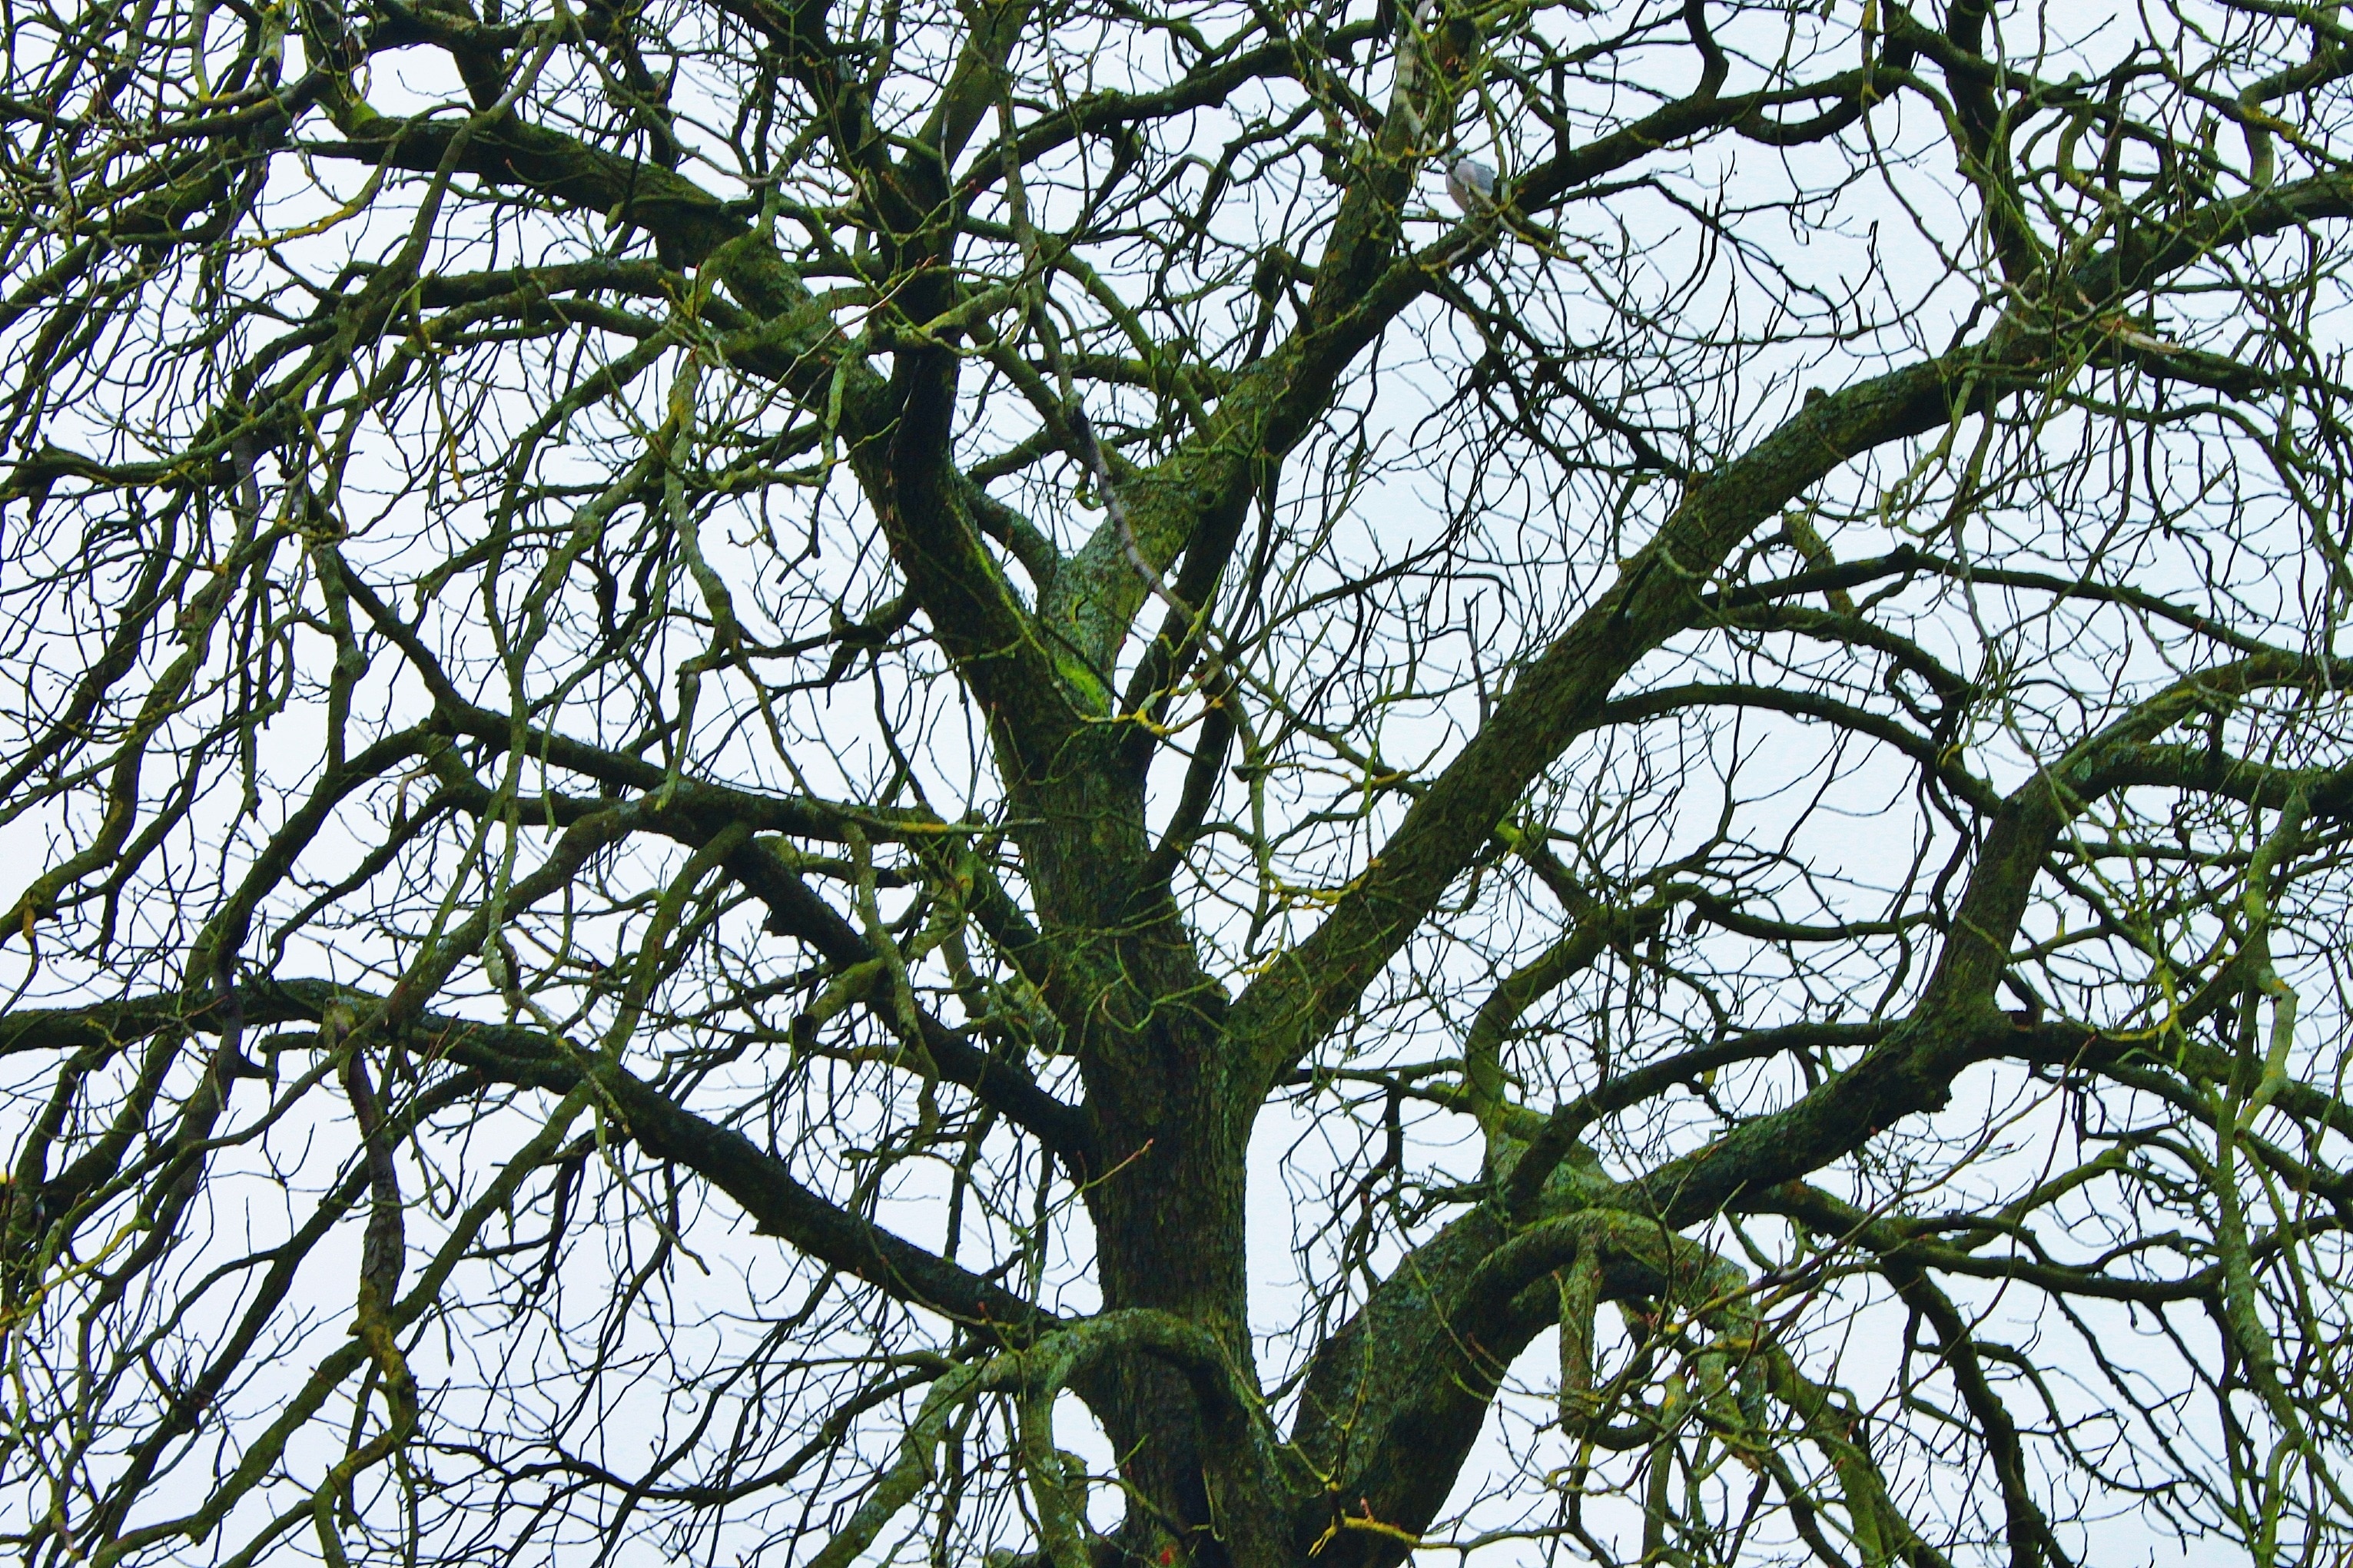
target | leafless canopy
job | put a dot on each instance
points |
(1019, 780)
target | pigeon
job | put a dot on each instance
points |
(1472, 184)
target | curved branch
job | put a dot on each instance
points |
(1563, 692)
(760, 1181)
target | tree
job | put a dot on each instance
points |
(731, 725)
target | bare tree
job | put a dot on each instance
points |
(733, 728)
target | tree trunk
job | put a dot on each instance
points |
(1169, 1214)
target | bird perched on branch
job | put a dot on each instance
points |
(1472, 184)
(1453, 43)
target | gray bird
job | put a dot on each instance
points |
(1472, 184)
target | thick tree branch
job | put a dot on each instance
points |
(759, 1181)
(1309, 988)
